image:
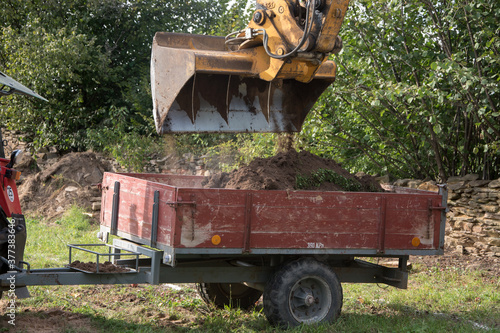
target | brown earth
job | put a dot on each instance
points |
(280, 173)
(50, 321)
(69, 181)
(106, 267)
(490, 266)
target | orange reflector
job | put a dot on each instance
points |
(16, 175)
(415, 241)
(216, 240)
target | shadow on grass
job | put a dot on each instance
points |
(226, 321)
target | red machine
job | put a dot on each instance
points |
(13, 230)
(9, 200)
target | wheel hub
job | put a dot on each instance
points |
(309, 300)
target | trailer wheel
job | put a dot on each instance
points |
(303, 291)
(230, 294)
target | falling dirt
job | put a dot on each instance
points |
(280, 172)
(106, 267)
(71, 180)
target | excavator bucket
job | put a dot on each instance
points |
(198, 85)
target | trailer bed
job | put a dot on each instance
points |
(175, 214)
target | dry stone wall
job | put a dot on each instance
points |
(473, 222)
(13, 141)
(474, 217)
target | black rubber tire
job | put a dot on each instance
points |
(3, 219)
(235, 295)
(304, 291)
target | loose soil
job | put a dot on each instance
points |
(106, 267)
(68, 181)
(490, 266)
(50, 321)
(280, 173)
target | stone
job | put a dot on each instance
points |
(490, 208)
(490, 232)
(471, 177)
(96, 206)
(471, 250)
(401, 182)
(71, 189)
(494, 241)
(467, 227)
(495, 250)
(95, 177)
(454, 179)
(414, 183)
(464, 218)
(492, 216)
(455, 186)
(486, 190)
(494, 183)
(481, 196)
(428, 186)
(489, 222)
(482, 246)
(478, 183)
(477, 229)
(459, 249)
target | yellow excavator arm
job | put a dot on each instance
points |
(264, 78)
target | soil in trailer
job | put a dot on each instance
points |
(292, 170)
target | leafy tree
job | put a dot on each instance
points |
(88, 57)
(417, 90)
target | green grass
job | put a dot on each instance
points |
(439, 299)
(46, 245)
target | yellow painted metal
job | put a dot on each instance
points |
(264, 84)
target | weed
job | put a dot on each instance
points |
(315, 179)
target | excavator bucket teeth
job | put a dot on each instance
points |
(200, 86)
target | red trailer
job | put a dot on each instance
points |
(294, 246)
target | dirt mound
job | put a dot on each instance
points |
(107, 267)
(293, 170)
(52, 191)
